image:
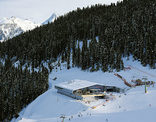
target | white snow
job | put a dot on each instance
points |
(50, 19)
(51, 104)
(24, 24)
(76, 84)
(133, 106)
(10, 27)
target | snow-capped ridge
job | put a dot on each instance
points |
(13, 26)
(50, 19)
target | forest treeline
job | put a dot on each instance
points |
(19, 87)
(92, 38)
(126, 28)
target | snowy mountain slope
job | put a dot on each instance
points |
(50, 19)
(134, 106)
(10, 27)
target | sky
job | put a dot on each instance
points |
(40, 10)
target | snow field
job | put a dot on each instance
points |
(133, 106)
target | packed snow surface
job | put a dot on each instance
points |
(133, 106)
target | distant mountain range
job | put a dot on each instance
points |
(11, 27)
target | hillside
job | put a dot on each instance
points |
(123, 29)
(95, 39)
(134, 105)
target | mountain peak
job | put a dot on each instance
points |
(50, 19)
(13, 26)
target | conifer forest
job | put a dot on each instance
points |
(93, 38)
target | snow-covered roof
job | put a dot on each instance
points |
(76, 84)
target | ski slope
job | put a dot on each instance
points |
(133, 106)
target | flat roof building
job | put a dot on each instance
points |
(79, 88)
